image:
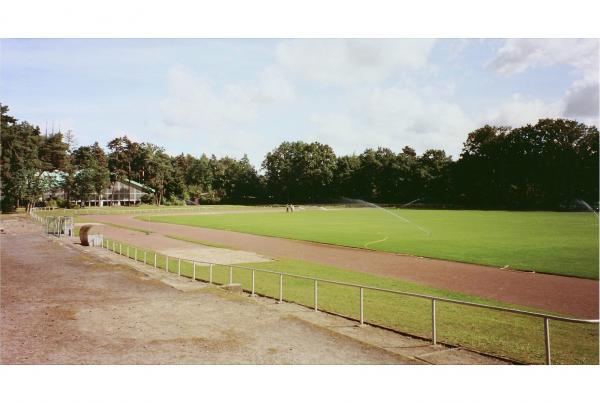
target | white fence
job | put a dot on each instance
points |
(119, 210)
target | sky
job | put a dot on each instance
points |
(236, 97)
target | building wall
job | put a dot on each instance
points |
(120, 191)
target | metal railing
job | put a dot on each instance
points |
(361, 288)
(39, 219)
(53, 225)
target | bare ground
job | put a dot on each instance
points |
(566, 295)
(61, 303)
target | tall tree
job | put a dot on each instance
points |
(237, 180)
(92, 174)
(199, 177)
(545, 165)
(433, 168)
(298, 171)
(125, 161)
(159, 173)
(26, 158)
(346, 182)
(480, 168)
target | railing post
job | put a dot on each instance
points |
(280, 288)
(194, 271)
(316, 296)
(120, 248)
(253, 283)
(166, 263)
(145, 256)
(179, 267)
(155, 254)
(362, 306)
(135, 254)
(127, 251)
(230, 275)
(210, 273)
(433, 324)
(547, 341)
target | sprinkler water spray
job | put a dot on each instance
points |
(366, 203)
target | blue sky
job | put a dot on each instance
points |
(230, 97)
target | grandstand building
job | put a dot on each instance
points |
(119, 193)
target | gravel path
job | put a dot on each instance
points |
(566, 295)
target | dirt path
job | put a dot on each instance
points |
(566, 295)
(60, 305)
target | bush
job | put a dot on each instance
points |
(172, 200)
(147, 199)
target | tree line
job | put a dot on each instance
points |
(538, 166)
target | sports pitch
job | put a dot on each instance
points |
(549, 242)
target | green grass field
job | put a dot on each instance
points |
(549, 242)
(501, 334)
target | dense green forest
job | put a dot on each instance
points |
(548, 165)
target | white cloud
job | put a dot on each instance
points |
(201, 117)
(194, 102)
(395, 117)
(518, 55)
(348, 61)
(233, 143)
(520, 110)
(581, 99)
(271, 88)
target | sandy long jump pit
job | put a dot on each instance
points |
(213, 255)
(180, 249)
